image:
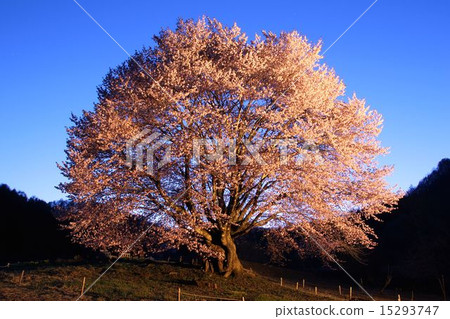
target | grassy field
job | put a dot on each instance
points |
(133, 280)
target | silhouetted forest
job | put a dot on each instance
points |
(29, 231)
(414, 240)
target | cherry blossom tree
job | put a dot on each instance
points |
(260, 135)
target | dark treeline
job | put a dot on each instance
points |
(414, 240)
(29, 231)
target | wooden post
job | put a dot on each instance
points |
(303, 284)
(442, 284)
(296, 286)
(350, 294)
(315, 290)
(82, 286)
(179, 294)
(340, 290)
(399, 298)
(281, 281)
(243, 299)
(21, 277)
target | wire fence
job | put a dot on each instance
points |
(340, 294)
(196, 297)
(301, 286)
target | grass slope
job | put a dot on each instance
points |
(137, 280)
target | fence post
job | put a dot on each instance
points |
(296, 286)
(82, 286)
(243, 299)
(340, 290)
(179, 294)
(399, 298)
(21, 277)
(442, 284)
(281, 281)
(303, 284)
(350, 294)
(315, 290)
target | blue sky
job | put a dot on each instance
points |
(53, 57)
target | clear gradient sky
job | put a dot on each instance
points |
(53, 57)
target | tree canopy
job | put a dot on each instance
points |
(277, 143)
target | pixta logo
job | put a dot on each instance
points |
(141, 150)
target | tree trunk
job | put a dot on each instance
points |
(233, 264)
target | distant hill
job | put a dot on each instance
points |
(28, 229)
(414, 240)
